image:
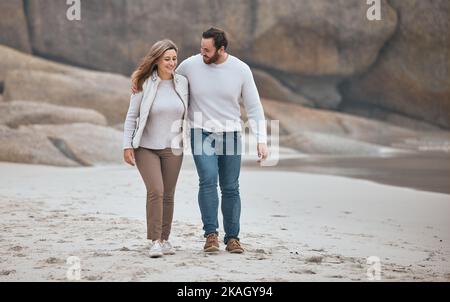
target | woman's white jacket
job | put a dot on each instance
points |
(141, 104)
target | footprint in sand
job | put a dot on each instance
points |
(20, 255)
(303, 271)
(7, 272)
(314, 259)
(94, 278)
(16, 248)
(102, 254)
(63, 241)
(54, 260)
(335, 276)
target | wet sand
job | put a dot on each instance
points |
(427, 171)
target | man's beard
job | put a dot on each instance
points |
(213, 59)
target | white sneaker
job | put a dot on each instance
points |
(156, 250)
(167, 248)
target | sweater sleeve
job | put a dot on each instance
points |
(253, 106)
(181, 69)
(131, 119)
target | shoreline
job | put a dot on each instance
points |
(423, 171)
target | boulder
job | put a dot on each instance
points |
(269, 87)
(380, 114)
(13, 26)
(317, 143)
(29, 146)
(13, 59)
(324, 51)
(296, 119)
(16, 113)
(411, 76)
(86, 144)
(318, 37)
(72, 90)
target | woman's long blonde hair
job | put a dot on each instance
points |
(148, 63)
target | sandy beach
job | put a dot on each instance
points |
(295, 226)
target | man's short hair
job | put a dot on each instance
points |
(218, 35)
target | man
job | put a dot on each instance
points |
(218, 81)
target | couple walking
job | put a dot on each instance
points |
(198, 101)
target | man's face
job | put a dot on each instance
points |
(208, 51)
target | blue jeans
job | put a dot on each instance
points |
(218, 155)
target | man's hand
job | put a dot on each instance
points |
(128, 156)
(263, 152)
(134, 88)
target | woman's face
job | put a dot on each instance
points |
(168, 61)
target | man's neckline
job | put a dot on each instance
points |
(223, 63)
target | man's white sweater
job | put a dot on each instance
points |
(216, 91)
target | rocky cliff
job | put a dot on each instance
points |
(319, 53)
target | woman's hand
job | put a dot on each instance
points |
(128, 156)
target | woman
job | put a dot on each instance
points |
(154, 136)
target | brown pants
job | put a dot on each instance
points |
(159, 170)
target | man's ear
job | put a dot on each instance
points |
(222, 50)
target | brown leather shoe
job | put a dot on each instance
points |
(212, 243)
(234, 246)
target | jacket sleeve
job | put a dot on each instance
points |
(131, 119)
